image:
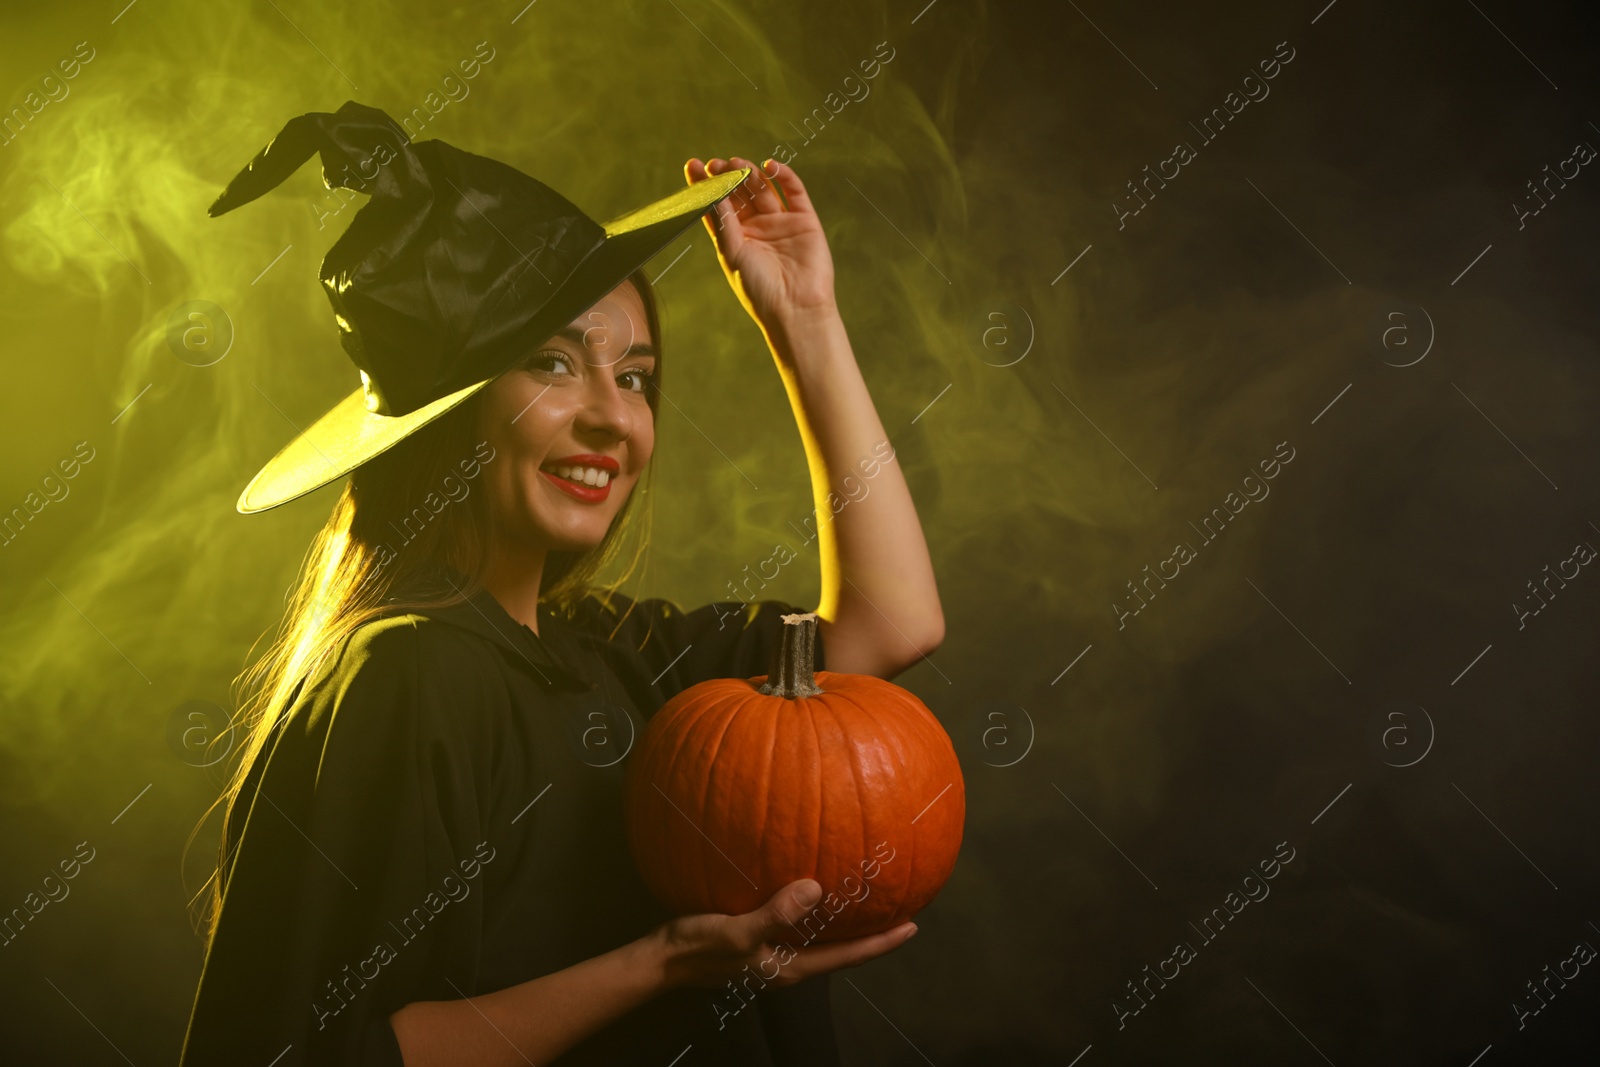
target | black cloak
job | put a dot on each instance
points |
(439, 815)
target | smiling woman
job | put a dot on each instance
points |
(575, 425)
(418, 701)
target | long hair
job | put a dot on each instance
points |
(352, 567)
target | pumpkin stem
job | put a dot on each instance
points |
(794, 660)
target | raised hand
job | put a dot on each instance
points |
(775, 256)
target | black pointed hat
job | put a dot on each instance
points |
(455, 267)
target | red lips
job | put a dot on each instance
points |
(589, 494)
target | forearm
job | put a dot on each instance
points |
(879, 606)
(535, 1021)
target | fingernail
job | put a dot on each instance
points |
(912, 934)
(809, 896)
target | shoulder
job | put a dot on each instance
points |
(405, 671)
(380, 645)
(418, 643)
(407, 647)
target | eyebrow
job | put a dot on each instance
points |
(638, 348)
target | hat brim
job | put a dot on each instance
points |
(350, 435)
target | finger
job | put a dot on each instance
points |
(776, 918)
(722, 166)
(756, 191)
(794, 190)
(790, 903)
(724, 241)
(830, 957)
(698, 171)
(726, 230)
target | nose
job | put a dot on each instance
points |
(605, 411)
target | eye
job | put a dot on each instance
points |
(643, 380)
(549, 361)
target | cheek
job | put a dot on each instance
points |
(517, 432)
(643, 445)
(531, 422)
(499, 485)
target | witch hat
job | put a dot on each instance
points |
(455, 268)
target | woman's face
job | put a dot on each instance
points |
(571, 427)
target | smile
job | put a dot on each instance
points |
(589, 483)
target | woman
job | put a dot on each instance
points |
(423, 859)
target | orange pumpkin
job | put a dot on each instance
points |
(738, 787)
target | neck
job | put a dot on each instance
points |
(513, 580)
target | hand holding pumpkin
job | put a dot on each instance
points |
(741, 790)
(709, 950)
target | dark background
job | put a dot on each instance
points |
(1110, 805)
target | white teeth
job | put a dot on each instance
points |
(590, 476)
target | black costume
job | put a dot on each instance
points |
(438, 815)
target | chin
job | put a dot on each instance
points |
(569, 526)
(569, 538)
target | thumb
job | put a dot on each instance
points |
(794, 900)
(806, 892)
(776, 916)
